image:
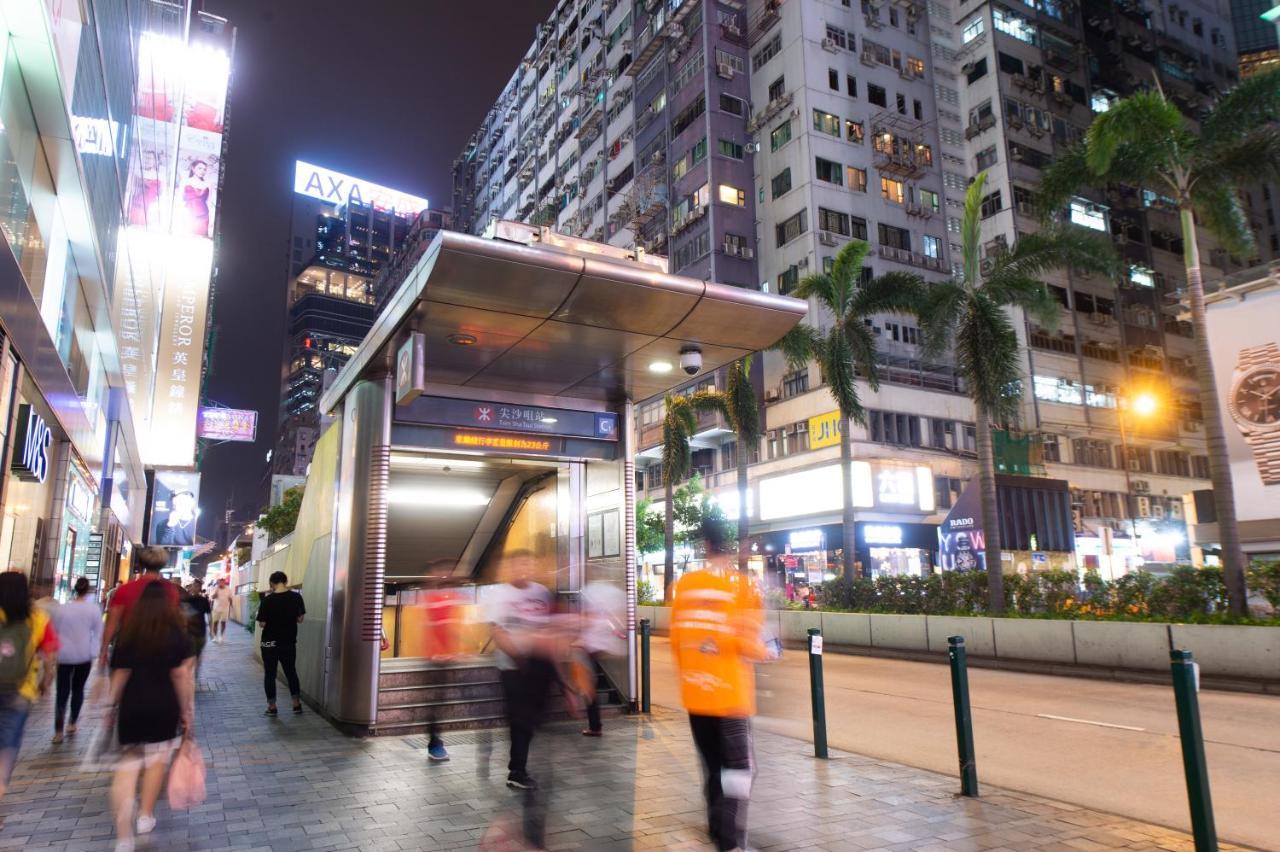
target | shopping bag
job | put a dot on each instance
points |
(186, 776)
(104, 746)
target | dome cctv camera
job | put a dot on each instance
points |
(691, 360)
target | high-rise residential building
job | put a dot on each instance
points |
(344, 231)
(868, 119)
(1257, 30)
(105, 267)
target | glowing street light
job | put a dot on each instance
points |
(1144, 404)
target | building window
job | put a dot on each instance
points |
(992, 204)
(731, 195)
(788, 280)
(977, 70)
(780, 135)
(858, 230)
(698, 152)
(777, 88)
(973, 29)
(877, 95)
(733, 60)
(1013, 25)
(856, 178)
(916, 66)
(839, 36)
(929, 200)
(833, 221)
(828, 171)
(825, 122)
(771, 49)
(931, 246)
(792, 227)
(851, 85)
(899, 238)
(781, 182)
(732, 105)
(854, 131)
(794, 384)
(731, 149)
(892, 190)
(987, 157)
(833, 79)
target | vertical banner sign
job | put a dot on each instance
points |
(93, 559)
(961, 541)
(411, 369)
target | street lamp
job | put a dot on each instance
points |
(1144, 404)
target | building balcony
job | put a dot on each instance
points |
(911, 258)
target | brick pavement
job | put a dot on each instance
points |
(294, 783)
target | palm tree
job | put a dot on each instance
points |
(1145, 141)
(678, 425)
(743, 412)
(846, 350)
(970, 314)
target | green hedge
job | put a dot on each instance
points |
(1185, 594)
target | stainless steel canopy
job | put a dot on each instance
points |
(546, 320)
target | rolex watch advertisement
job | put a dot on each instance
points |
(1244, 339)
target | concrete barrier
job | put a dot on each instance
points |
(979, 634)
(902, 632)
(1123, 644)
(1039, 639)
(795, 623)
(846, 628)
(1231, 650)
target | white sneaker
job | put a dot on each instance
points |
(124, 846)
(145, 824)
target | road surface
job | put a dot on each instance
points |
(1104, 745)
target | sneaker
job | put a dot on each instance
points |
(521, 781)
(71, 729)
(145, 824)
(271, 711)
(124, 846)
(57, 738)
(297, 709)
(590, 733)
(437, 751)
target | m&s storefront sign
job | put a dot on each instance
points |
(31, 442)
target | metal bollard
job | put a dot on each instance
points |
(644, 664)
(964, 717)
(1186, 685)
(816, 696)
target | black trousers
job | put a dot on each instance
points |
(71, 679)
(724, 743)
(593, 707)
(285, 656)
(524, 694)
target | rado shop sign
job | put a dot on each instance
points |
(31, 442)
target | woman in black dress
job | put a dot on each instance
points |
(153, 690)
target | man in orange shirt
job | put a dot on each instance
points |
(716, 621)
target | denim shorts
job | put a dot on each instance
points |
(13, 718)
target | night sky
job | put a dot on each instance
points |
(386, 90)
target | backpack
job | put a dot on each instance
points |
(15, 656)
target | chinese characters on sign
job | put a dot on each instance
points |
(477, 414)
(501, 442)
(227, 424)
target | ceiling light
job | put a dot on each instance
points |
(435, 462)
(659, 366)
(437, 498)
(462, 339)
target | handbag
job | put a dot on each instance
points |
(186, 776)
(104, 746)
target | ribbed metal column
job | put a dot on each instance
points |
(629, 526)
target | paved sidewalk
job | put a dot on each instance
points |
(294, 783)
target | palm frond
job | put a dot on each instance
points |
(744, 408)
(1253, 157)
(846, 272)
(701, 402)
(836, 361)
(800, 345)
(820, 286)
(1027, 293)
(941, 307)
(1065, 177)
(1251, 103)
(987, 351)
(1218, 209)
(1058, 247)
(1144, 121)
(863, 349)
(896, 292)
(971, 230)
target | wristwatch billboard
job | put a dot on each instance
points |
(1254, 403)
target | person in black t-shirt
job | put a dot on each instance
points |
(280, 613)
(195, 606)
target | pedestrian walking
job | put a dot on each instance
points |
(195, 607)
(603, 635)
(151, 560)
(153, 701)
(220, 610)
(280, 613)
(518, 611)
(28, 654)
(716, 620)
(442, 611)
(78, 623)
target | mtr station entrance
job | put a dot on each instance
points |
(488, 412)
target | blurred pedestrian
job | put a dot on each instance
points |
(195, 607)
(78, 623)
(28, 641)
(518, 612)
(220, 610)
(603, 635)
(716, 621)
(151, 560)
(153, 696)
(280, 613)
(442, 611)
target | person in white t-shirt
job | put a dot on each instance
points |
(220, 610)
(604, 619)
(518, 613)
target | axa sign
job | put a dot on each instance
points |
(337, 188)
(32, 440)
